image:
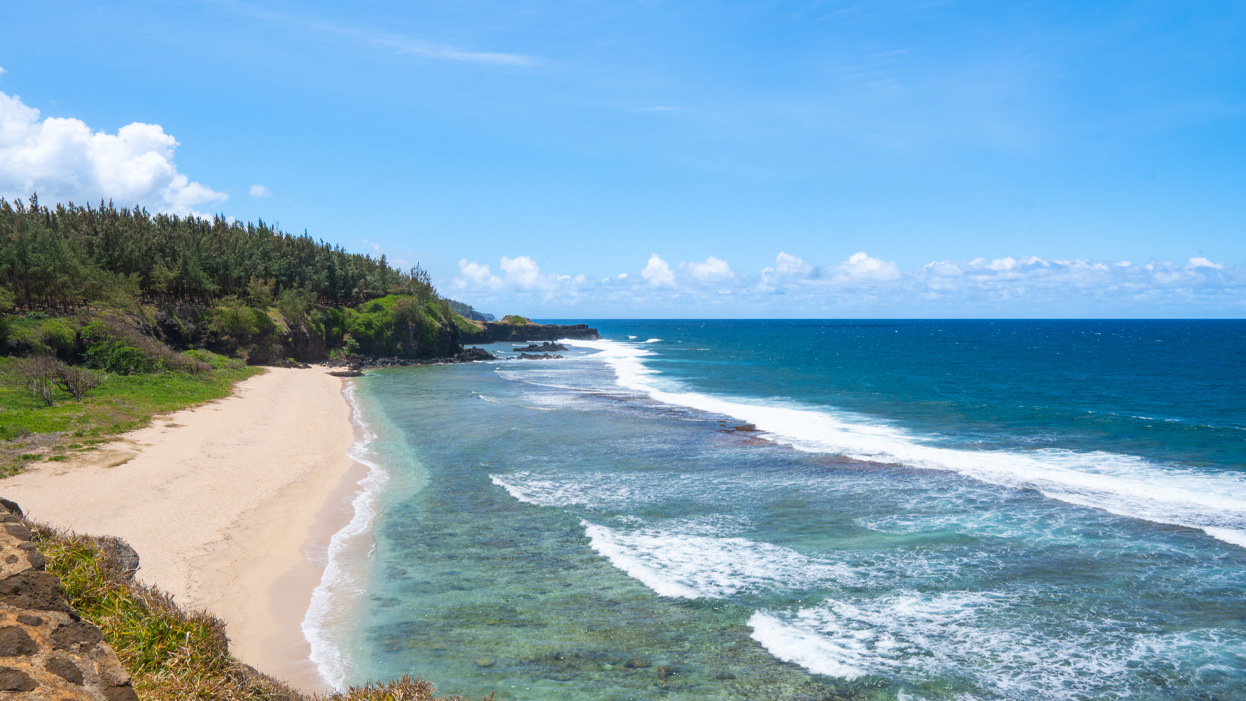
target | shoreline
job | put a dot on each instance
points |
(222, 501)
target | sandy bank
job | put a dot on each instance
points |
(230, 506)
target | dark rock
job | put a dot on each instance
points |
(65, 670)
(346, 373)
(124, 556)
(18, 530)
(546, 346)
(11, 507)
(497, 331)
(35, 590)
(16, 680)
(16, 642)
(77, 636)
(543, 356)
(474, 354)
(725, 676)
(667, 672)
(28, 620)
(33, 556)
(121, 693)
(11, 559)
(636, 664)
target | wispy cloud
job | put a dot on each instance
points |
(260, 191)
(864, 284)
(370, 36)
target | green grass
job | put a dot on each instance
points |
(467, 329)
(169, 653)
(123, 403)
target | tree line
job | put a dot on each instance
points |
(69, 256)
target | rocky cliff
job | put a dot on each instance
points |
(498, 331)
(46, 650)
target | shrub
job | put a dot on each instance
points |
(78, 380)
(111, 345)
(230, 317)
(38, 374)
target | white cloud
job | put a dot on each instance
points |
(865, 285)
(65, 160)
(1201, 262)
(658, 273)
(260, 191)
(712, 270)
(476, 276)
(2, 71)
(522, 272)
(860, 266)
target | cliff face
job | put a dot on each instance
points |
(46, 650)
(497, 331)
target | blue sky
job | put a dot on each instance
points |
(726, 159)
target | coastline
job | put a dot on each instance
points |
(221, 501)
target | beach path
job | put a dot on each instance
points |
(230, 506)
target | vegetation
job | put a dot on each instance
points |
(169, 653)
(68, 257)
(30, 429)
(109, 316)
(516, 320)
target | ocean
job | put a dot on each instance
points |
(805, 509)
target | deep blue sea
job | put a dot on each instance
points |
(806, 510)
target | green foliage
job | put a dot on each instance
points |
(467, 329)
(260, 292)
(516, 320)
(110, 344)
(6, 306)
(68, 256)
(214, 360)
(230, 317)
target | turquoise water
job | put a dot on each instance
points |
(799, 510)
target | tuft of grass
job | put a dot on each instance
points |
(171, 654)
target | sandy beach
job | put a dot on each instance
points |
(230, 506)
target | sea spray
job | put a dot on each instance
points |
(343, 581)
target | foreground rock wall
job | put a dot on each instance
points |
(46, 650)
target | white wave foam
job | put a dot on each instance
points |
(692, 566)
(654, 340)
(990, 638)
(592, 490)
(340, 585)
(1121, 484)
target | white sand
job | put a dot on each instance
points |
(230, 506)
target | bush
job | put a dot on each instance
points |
(230, 317)
(113, 346)
(78, 380)
(38, 374)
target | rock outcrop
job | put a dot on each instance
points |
(46, 650)
(500, 331)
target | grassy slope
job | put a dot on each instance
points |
(171, 654)
(31, 431)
